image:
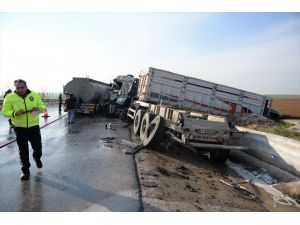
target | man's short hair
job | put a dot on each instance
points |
(20, 81)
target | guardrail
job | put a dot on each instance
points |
(50, 101)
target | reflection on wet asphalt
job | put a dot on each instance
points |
(79, 174)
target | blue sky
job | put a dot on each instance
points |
(258, 52)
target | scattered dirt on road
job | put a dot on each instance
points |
(173, 179)
(176, 181)
(291, 189)
(247, 120)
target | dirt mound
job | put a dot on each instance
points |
(253, 119)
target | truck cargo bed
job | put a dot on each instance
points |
(160, 86)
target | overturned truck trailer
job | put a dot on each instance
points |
(177, 105)
(195, 94)
(90, 94)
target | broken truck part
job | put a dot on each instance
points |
(124, 90)
(153, 122)
(162, 108)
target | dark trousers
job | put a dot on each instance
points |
(33, 135)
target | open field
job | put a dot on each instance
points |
(284, 97)
(289, 108)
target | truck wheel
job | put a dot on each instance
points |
(137, 121)
(147, 118)
(218, 155)
(154, 132)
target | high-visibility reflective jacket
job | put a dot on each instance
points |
(14, 102)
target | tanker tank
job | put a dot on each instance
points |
(87, 89)
(88, 92)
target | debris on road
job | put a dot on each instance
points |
(135, 149)
(115, 140)
(262, 174)
(187, 183)
(190, 188)
(150, 184)
(107, 139)
(242, 191)
(253, 119)
(114, 126)
(108, 126)
(166, 172)
(183, 170)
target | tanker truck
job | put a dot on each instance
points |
(91, 94)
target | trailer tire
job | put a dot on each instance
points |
(218, 155)
(137, 121)
(147, 118)
(154, 132)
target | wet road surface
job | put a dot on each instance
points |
(80, 173)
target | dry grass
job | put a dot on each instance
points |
(280, 129)
(289, 108)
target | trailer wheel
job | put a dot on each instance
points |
(137, 121)
(218, 155)
(154, 132)
(147, 118)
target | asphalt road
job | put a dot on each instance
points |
(80, 173)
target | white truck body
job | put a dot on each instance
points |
(184, 92)
(176, 105)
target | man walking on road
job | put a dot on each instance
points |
(70, 106)
(23, 107)
(59, 103)
(9, 120)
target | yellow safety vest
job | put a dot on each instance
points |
(13, 103)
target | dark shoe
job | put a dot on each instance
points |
(39, 164)
(25, 176)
